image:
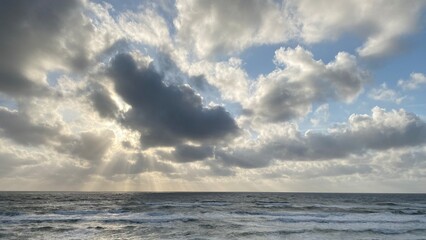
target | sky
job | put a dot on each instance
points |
(185, 95)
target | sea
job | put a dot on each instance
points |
(212, 215)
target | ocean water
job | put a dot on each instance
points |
(82, 215)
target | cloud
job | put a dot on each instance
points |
(165, 114)
(146, 27)
(385, 94)
(19, 127)
(308, 170)
(321, 115)
(289, 92)
(227, 76)
(16, 84)
(181, 111)
(39, 35)
(361, 134)
(122, 163)
(9, 162)
(382, 23)
(88, 145)
(103, 103)
(188, 153)
(415, 80)
(113, 27)
(212, 27)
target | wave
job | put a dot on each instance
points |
(321, 217)
(381, 231)
(96, 216)
(409, 212)
(387, 204)
(168, 205)
(215, 203)
(316, 231)
(10, 213)
(80, 212)
(344, 221)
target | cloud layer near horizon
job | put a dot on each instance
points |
(158, 97)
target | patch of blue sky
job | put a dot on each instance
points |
(120, 6)
(411, 59)
(53, 77)
(234, 108)
(259, 60)
(8, 103)
(328, 49)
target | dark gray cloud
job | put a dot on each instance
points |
(33, 32)
(245, 158)
(166, 114)
(188, 153)
(19, 127)
(103, 103)
(14, 83)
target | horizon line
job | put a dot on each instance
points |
(119, 191)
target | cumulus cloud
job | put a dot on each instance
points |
(227, 76)
(40, 35)
(413, 82)
(19, 127)
(166, 114)
(103, 103)
(188, 153)
(289, 92)
(213, 27)
(88, 145)
(385, 94)
(382, 23)
(75, 111)
(380, 131)
(146, 27)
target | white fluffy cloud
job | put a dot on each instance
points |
(227, 76)
(383, 93)
(289, 92)
(413, 82)
(222, 27)
(382, 23)
(213, 27)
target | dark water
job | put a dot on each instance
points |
(65, 215)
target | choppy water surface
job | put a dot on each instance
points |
(67, 215)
